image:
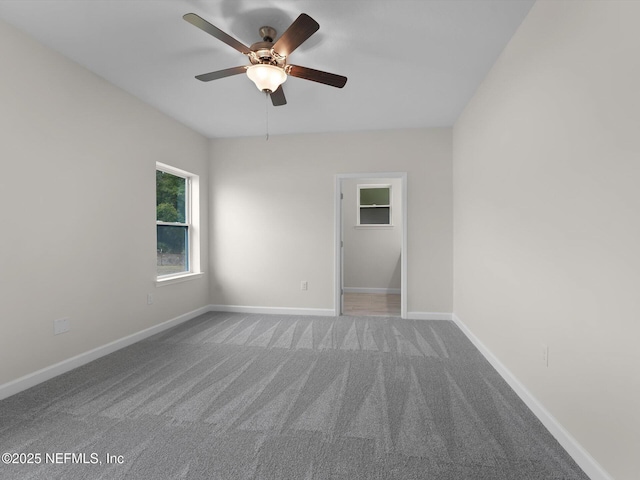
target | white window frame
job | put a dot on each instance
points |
(389, 206)
(192, 216)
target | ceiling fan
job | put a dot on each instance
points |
(269, 68)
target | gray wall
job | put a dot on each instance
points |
(78, 191)
(546, 205)
(272, 214)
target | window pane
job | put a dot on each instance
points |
(374, 216)
(170, 197)
(374, 196)
(172, 249)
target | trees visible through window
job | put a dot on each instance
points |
(173, 222)
(374, 205)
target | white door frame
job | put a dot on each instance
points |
(337, 304)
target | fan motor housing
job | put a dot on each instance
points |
(262, 52)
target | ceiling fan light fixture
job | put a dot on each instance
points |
(266, 77)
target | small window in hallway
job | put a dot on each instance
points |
(374, 205)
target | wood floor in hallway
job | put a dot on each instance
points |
(376, 304)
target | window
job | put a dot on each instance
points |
(374, 205)
(176, 240)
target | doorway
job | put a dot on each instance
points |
(371, 244)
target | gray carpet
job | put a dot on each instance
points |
(236, 396)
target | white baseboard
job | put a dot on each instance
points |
(590, 466)
(321, 312)
(386, 291)
(429, 316)
(47, 373)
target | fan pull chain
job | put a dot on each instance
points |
(266, 104)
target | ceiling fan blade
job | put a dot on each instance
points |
(302, 28)
(202, 24)
(207, 77)
(277, 98)
(317, 76)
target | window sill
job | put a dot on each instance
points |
(374, 227)
(162, 282)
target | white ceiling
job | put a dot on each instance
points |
(410, 64)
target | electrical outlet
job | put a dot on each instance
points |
(304, 285)
(61, 325)
(149, 298)
(545, 355)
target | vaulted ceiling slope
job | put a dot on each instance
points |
(410, 64)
